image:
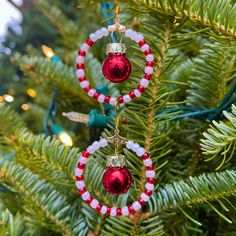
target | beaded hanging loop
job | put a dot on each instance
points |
(144, 82)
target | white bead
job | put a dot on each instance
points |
(129, 144)
(91, 149)
(137, 93)
(145, 47)
(127, 98)
(103, 142)
(96, 145)
(149, 186)
(145, 197)
(83, 160)
(84, 84)
(79, 59)
(149, 57)
(140, 152)
(80, 72)
(144, 82)
(80, 184)
(103, 209)
(147, 162)
(92, 37)
(85, 47)
(125, 211)
(135, 147)
(138, 38)
(112, 101)
(98, 34)
(78, 172)
(94, 203)
(101, 98)
(133, 35)
(128, 33)
(91, 92)
(85, 196)
(105, 32)
(148, 70)
(136, 205)
(113, 211)
(150, 173)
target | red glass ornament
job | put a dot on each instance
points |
(116, 180)
(116, 67)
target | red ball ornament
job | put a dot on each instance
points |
(116, 180)
(116, 67)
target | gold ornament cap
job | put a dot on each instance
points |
(118, 48)
(115, 161)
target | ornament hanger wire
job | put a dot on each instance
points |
(117, 26)
(117, 10)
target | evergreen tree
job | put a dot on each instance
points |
(186, 119)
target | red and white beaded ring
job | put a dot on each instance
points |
(101, 98)
(109, 210)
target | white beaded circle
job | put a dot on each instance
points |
(109, 210)
(144, 82)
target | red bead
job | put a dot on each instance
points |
(107, 99)
(145, 156)
(148, 192)
(118, 212)
(131, 209)
(132, 94)
(86, 89)
(96, 95)
(148, 76)
(81, 166)
(108, 210)
(80, 66)
(116, 68)
(142, 42)
(90, 42)
(98, 208)
(120, 99)
(79, 178)
(81, 79)
(149, 63)
(116, 180)
(82, 190)
(147, 52)
(82, 53)
(141, 201)
(150, 167)
(89, 200)
(141, 88)
(85, 154)
(151, 180)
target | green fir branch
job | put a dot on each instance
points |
(43, 202)
(195, 190)
(220, 138)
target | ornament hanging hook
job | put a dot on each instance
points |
(117, 26)
(116, 138)
(117, 117)
(117, 10)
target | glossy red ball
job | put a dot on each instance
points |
(116, 180)
(116, 67)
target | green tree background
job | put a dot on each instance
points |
(186, 119)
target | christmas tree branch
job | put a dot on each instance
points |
(42, 198)
(220, 139)
(196, 190)
(206, 13)
(51, 74)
